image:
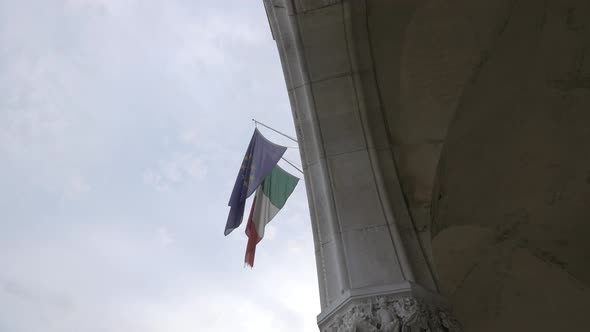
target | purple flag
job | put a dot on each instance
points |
(261, 157)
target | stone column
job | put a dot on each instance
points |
(373, 271)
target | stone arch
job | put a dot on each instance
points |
(421, 77)
(504, 86)
(449, 137)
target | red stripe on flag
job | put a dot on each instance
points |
(253, 237)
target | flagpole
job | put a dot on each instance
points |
(276, 131)
(293, 165)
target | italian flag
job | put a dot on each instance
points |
(270, 197)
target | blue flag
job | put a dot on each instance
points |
(261, 157)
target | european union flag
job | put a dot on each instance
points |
(261, 157)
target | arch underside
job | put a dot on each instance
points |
(488, 109)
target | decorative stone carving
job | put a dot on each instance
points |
(386, 314)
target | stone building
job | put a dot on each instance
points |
(446, 148)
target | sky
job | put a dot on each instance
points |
(123, 124)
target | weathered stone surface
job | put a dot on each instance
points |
(445, 144)
(323, 34)
(360, 242)
(307, 5)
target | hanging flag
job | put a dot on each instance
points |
(261, 157)
(270, 198)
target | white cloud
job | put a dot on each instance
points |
(164, 237)
(193, 166)
(192, 137)
(270, 232)
(294, 246)
(179, 168)
(75, 187)
(214, 312)
(65, 284)
(154, 180)
(100, 99)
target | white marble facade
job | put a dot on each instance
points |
(367, 249)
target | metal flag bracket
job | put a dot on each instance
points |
(256, 123)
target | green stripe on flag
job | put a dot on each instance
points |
(278, 186)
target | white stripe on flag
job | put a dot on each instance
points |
(264, 211)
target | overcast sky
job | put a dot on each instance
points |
(123, 124)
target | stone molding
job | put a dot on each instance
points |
(391, 314)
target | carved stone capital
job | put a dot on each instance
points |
(391, 314)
